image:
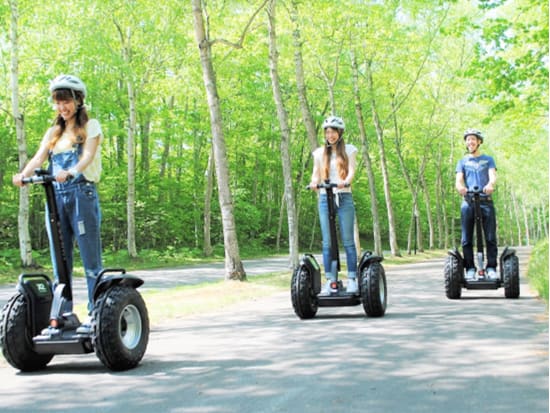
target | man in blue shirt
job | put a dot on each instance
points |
(477, 170)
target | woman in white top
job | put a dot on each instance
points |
(335, 161)
(72, 146)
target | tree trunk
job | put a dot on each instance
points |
(376, 231)
(516, 216)
(131, 148)
(131, 202)
(526, 225)
(285, 138)
(233, 265)
(442, 223)
(394, 248)
(429, 217)
(25, 247)
(207, 245)
(145, 155)
(167, 137)
(300, 82)
(280, 223)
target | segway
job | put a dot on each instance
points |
(455, 278)
(38, 322)
(306, 278)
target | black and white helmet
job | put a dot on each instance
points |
(334, 122)
(473, 132)
(68, 82)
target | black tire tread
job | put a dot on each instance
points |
(511, 277)
(372, 278)
(108, 346)
(453, 272)
(16, 339)
(303, 297)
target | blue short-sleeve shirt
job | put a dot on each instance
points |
(475, 170)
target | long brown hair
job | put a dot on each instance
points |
(81, 116)
(342, 161)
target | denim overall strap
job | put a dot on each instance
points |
(65, 161)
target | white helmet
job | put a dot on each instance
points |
(334, 122)
(473, 132)
(68, 82)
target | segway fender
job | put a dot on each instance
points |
(107, 281)
(508, 252)
(367, 259)
(455, 253)
(37, 289)
(313, 266)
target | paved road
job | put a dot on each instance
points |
(482, 353)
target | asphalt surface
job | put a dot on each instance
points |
(483, 353)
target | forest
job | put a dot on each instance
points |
(210, 110)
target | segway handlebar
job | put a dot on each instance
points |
(40, 176)
(327, 185)
(475, 190)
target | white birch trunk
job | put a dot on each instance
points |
(233, 265)
(25, 247)
(285, 139)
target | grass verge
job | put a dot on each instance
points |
(179, 302)
(537, 271)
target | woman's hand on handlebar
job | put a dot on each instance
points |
(313, 186)
(17, 180)
(343, 184)
(63, 176)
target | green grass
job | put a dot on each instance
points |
(175, 303)
(537, 270)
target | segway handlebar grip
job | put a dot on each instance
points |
(40, 176)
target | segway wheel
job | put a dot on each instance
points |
(120, 328)
(511, 276)
(453, 272)
(16, 337)
(374, 292)
(304, 299)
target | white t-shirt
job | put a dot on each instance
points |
(351, 151)
(93, 131)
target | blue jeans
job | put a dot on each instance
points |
(80, 219)
(346, 217)
(468, 231)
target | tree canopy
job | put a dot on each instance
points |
(425, 71)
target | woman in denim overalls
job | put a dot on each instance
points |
(72, 147)
(335, 161)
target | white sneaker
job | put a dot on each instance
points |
(85, 327)
(471, 274)
(327, 289)
(492, 274)
(352, 287)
